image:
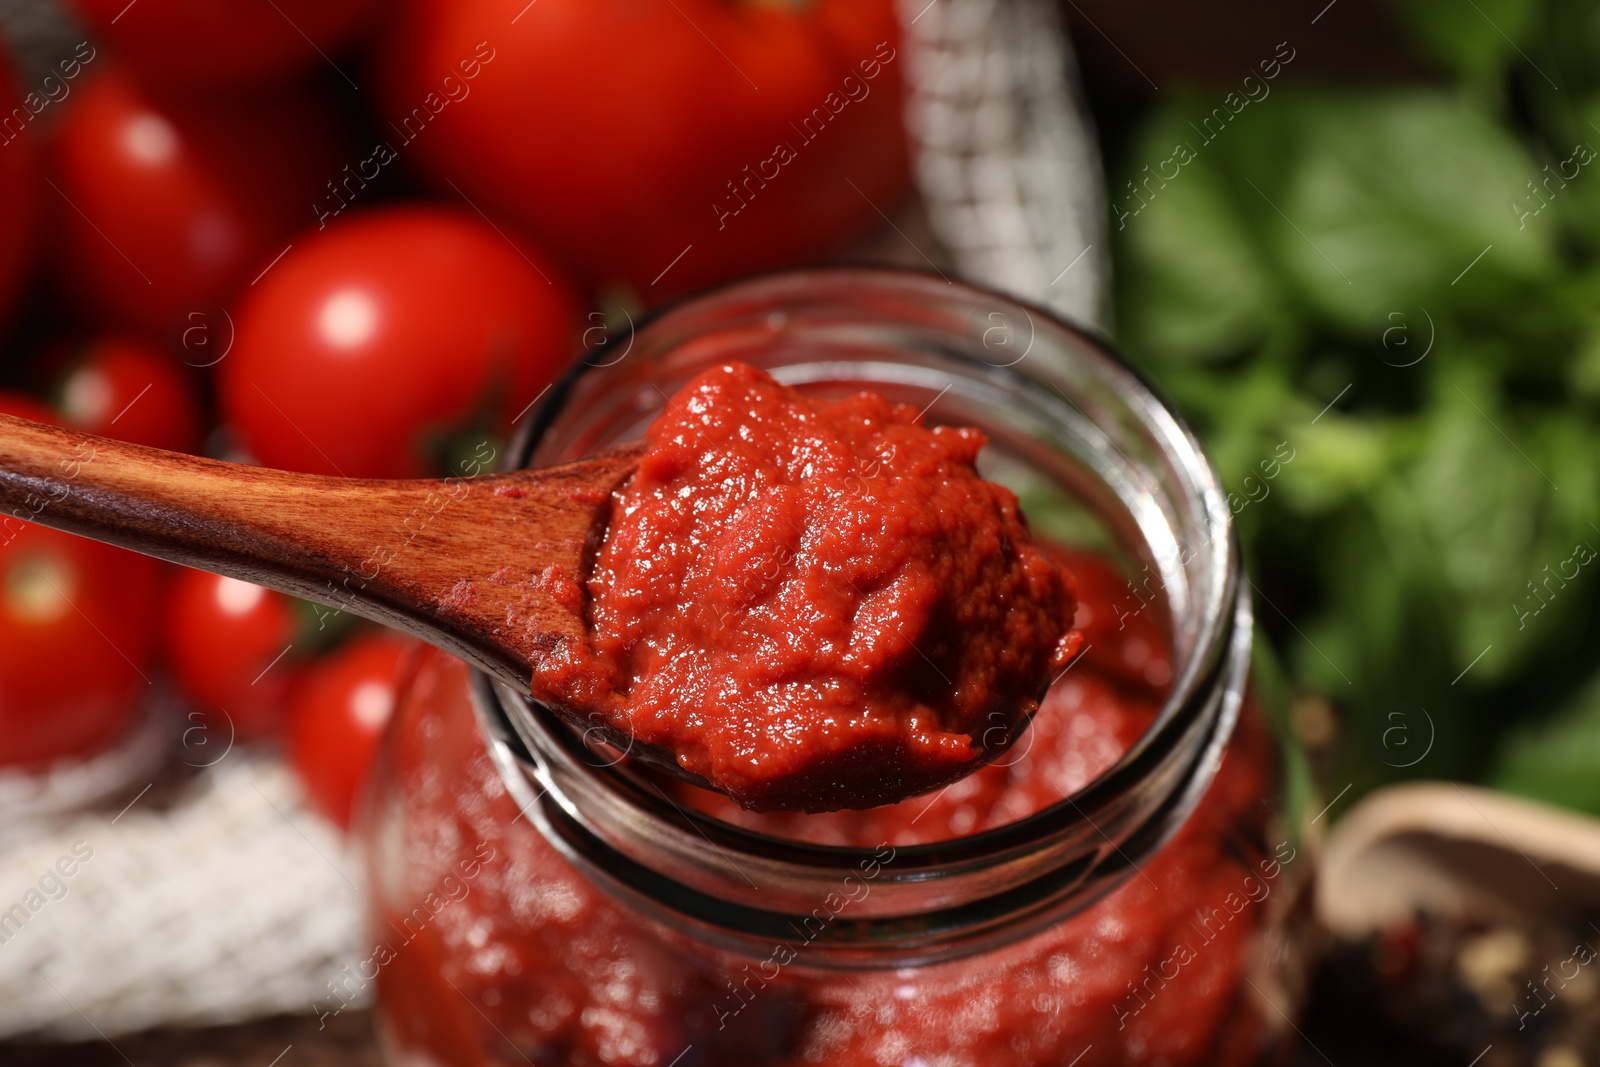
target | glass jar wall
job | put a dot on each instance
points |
(1126, 884)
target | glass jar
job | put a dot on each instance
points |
(1126, 885)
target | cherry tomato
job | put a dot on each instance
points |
(339, 714)
(373, 342)
(133, 391)
(666, 144)
(19, 182)
(206, 43)
(75, 638)
(172, 204)
(23, 407)
(231, 647)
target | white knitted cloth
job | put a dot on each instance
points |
(235, 901)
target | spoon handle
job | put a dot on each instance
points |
(424, 556)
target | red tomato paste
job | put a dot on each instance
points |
(492, 949)
(817, 604)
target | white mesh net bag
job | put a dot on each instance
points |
(1004, 157)
(231, 900)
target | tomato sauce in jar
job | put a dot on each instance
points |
(534, 961)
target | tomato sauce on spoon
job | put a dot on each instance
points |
(815, 604)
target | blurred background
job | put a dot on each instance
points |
(1354, 241)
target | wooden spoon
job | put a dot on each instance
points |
(455, 562)
(1456, 850)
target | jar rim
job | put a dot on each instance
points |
(1182, 746)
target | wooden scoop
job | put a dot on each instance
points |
(1459, 851)
(456, 562)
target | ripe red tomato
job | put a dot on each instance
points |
(735, 134)
(132, 391)
(205, 43)
(375, 340)
(19, 183)
(339, 715)
(231, 648)
(75, 638)
(165, 205)
(23, 407)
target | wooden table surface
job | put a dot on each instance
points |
(1331, 1035)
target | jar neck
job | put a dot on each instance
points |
(1065, 404)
